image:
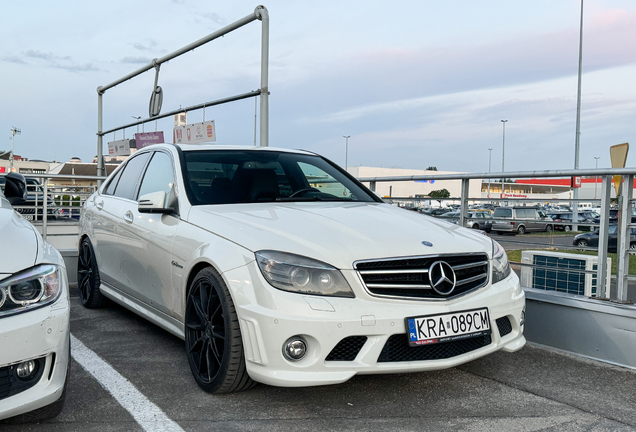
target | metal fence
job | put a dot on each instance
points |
(625, 202)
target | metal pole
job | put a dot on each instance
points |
(14, 131)
(575, 208)
(503, 157)
(346, 137)
(261, 13)
(596, 177)
(45, 208)
(464, 203)
(624, 239)
(100, 157)
(601, 275)
(489, 160)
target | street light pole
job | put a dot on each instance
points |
(489, 160)
(575, 208)
(14, 131)
(503, 157)
(346, 137)
(138, 118)
(596, 177)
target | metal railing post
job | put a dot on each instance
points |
(45, 206)
(464, 203)
(264, 17)
(624, 239)
(602, 270)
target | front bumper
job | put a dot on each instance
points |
(40, 334)
(269, 317)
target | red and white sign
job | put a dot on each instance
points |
(513, 195)
(576, 182)
(119, 148)
(195, 133)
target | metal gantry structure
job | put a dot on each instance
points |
(260, 13)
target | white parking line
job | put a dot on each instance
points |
(148, 415)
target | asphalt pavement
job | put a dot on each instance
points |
(531, 390)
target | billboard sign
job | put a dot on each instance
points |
(195, 133)
(120, 148)
(146, 138)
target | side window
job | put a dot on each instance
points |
(127, 184)
(110, 188)
(158, 176)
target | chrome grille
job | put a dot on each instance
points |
(409, 277)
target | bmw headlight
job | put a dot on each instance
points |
(299, 274)
(500, 264)
(30, 289)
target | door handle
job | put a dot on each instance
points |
(99, 205)
(128, 216)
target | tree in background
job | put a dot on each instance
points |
(431, 168)
(439, 195)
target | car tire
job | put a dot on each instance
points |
(88, 280)
(549, 228)
(475, 226)
(521, 229)
(567, 228)
(213, 337)
(582, 243)
(47, 412)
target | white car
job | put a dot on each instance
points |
(276, 266)
(34, 318)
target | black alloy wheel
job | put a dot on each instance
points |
(88, 276)
(213, 337)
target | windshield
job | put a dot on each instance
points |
(239, 176)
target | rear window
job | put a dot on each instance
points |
(503, 213)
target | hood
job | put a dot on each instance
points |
(18, 241)
(337, 233)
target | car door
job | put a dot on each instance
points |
(146, 239)
(107, 218)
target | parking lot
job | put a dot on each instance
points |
(533, 389)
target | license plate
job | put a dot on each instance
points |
(432, 329)
(28, 217)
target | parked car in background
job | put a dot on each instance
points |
(29, 203)
(479, 220)
(520, 220)
(34, 317)
(591, 239)
(437, 211)
(264, 260)
(451, 216)
(563, 221)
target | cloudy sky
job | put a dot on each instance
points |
(414, 83)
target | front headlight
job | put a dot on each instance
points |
(30, 289)
(299, 274)
(500, 264)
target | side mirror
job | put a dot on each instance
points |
(15, 188)
(154, 202)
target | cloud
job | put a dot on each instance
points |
(136, 60)
(145, 47)
(51, 60)
(215, 18)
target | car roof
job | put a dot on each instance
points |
(212, 147)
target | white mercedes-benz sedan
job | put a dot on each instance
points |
(34, 317)
(276, 266)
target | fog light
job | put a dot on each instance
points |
(295, 348)
(26, 370)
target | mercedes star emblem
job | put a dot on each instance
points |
(442, 277)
